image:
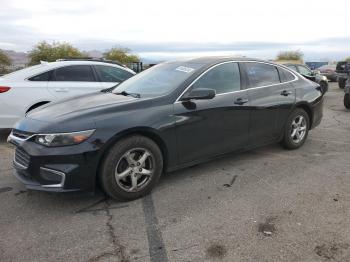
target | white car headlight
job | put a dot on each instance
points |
(63, 139)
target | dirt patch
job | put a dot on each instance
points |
(331, 251)
(216, 251)
(268, 227)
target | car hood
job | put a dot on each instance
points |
(55, 111)
(67, 115)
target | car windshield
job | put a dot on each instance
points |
(158, 80)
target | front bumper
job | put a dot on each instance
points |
(61, 169)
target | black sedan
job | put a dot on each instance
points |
(173, 115)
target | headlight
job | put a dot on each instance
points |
(63, 139)
(324, 78)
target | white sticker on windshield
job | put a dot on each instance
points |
(184, 69)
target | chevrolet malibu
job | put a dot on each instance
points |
(171, 116)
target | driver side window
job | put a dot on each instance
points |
(223, 78)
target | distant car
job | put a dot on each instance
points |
(343, 71)
(311, 75)
(170, 116)
(329, 72)
(29, 88)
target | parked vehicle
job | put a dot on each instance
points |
(329, 72)
(347, 95)
(315, 65)
(311, 75)
(29, 88)
(343, 71)
(170, 116)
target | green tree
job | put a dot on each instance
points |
(120, 54)
(290, 55)
(44, 51)
(5, 61)
(347, 59)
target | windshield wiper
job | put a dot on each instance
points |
(124, 93)
(109, 89)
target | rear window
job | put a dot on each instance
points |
(260, 74)
(285, 75)
(78, 73)
(42, 77)
(341, 66)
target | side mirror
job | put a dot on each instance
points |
(199, 93)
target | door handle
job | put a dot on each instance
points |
(240, 101)
(286, 93)
(61, 89)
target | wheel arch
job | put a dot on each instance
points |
(308, 110)
(148, 132)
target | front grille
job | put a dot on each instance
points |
(21, 157)
(21, 134)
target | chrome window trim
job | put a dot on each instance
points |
(234, 61)
(63, 176)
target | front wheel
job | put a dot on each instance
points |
(131, 168)
(296, 129)
(347, 101)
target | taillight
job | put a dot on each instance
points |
(4, 89)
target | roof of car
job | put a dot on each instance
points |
(218, 59)
(46, 66)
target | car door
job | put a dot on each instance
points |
(205, 128)
(111, 75)
(73, 80)
(267, 95)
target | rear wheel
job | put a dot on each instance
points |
(341, 83)
(347, 101)
(296, 129)
(131, 168)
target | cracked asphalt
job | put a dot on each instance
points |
(268, 204)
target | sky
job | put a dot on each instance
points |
(161, 29)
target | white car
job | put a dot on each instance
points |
(29, 88)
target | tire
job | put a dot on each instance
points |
(289, 141)
(124, 161)
(341, 83)
(347, 101)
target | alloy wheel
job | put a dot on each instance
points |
(298, 130)
(135, 169)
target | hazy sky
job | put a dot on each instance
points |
(162, 29)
